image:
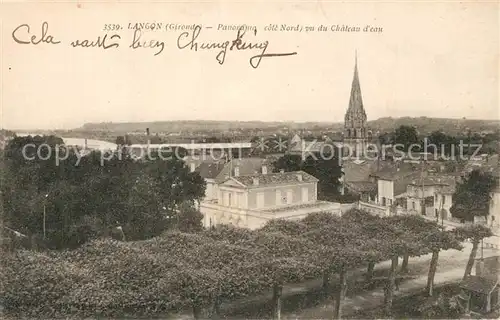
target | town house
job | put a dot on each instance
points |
(250, 200)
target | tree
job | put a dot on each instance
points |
(288, 163)
(328, 171)
(120, 141)
(190, 219)
(386, 138)
(110, 187)
(476, 233)
(443, 143)
(406, 136)
(437, 240)
(472, 196)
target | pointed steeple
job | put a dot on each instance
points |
(355, 117)
(356, 100)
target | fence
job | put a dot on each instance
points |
(374, 209)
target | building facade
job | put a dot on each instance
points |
(251, 200)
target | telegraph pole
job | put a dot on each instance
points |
(44, 215)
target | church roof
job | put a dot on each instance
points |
(355, 100)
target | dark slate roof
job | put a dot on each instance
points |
(436, 180)
(362, 186)
(246, 166)
(315, 146)
(358, 171)
(401, 184)
(396, 171)
(479, 284)
(209, 170)
(275, 179)
(363, 170)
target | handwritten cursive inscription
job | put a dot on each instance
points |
(189, 41)
(100, 42)
(137, 43)
(18, 37)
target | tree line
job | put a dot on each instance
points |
(446, 144)
(65, 204)
(198, 271)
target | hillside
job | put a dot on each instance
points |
(423, 124)
(427, 125)
(197, 125)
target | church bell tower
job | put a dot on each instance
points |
(355, 133)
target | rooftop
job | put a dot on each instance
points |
(436, 180)
(316, 205)
(274, 179)
(479, 284)
(209, 170)
(246, 166)
(362, 186)
(315, 146)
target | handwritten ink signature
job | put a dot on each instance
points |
(45, 37)
(22, 35)
(236, 44)
(137, 43)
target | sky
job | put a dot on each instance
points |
(434, 59)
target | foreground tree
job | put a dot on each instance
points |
(476, 233)
(189, 218)
(437, 240)
(472, 196)
(52, 196)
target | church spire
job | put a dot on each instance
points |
(356, 100)
(356, 60)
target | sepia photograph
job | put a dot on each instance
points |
(249, 160)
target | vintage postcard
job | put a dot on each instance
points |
(249, 160)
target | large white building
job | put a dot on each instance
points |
(245, 193)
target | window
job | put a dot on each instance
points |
(443, 198)
(289, 196)
(260, 200)
(383, 201)
(413, 205)
(305, 194)
(229, 199)
(278, 197)
(284, 198)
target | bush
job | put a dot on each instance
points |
(190, 220)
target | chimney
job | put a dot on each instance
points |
(85, 143)
(264, 169)
(299, 177)
(192, 166)
(147, 132)
(236, 171)
(255, 181)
